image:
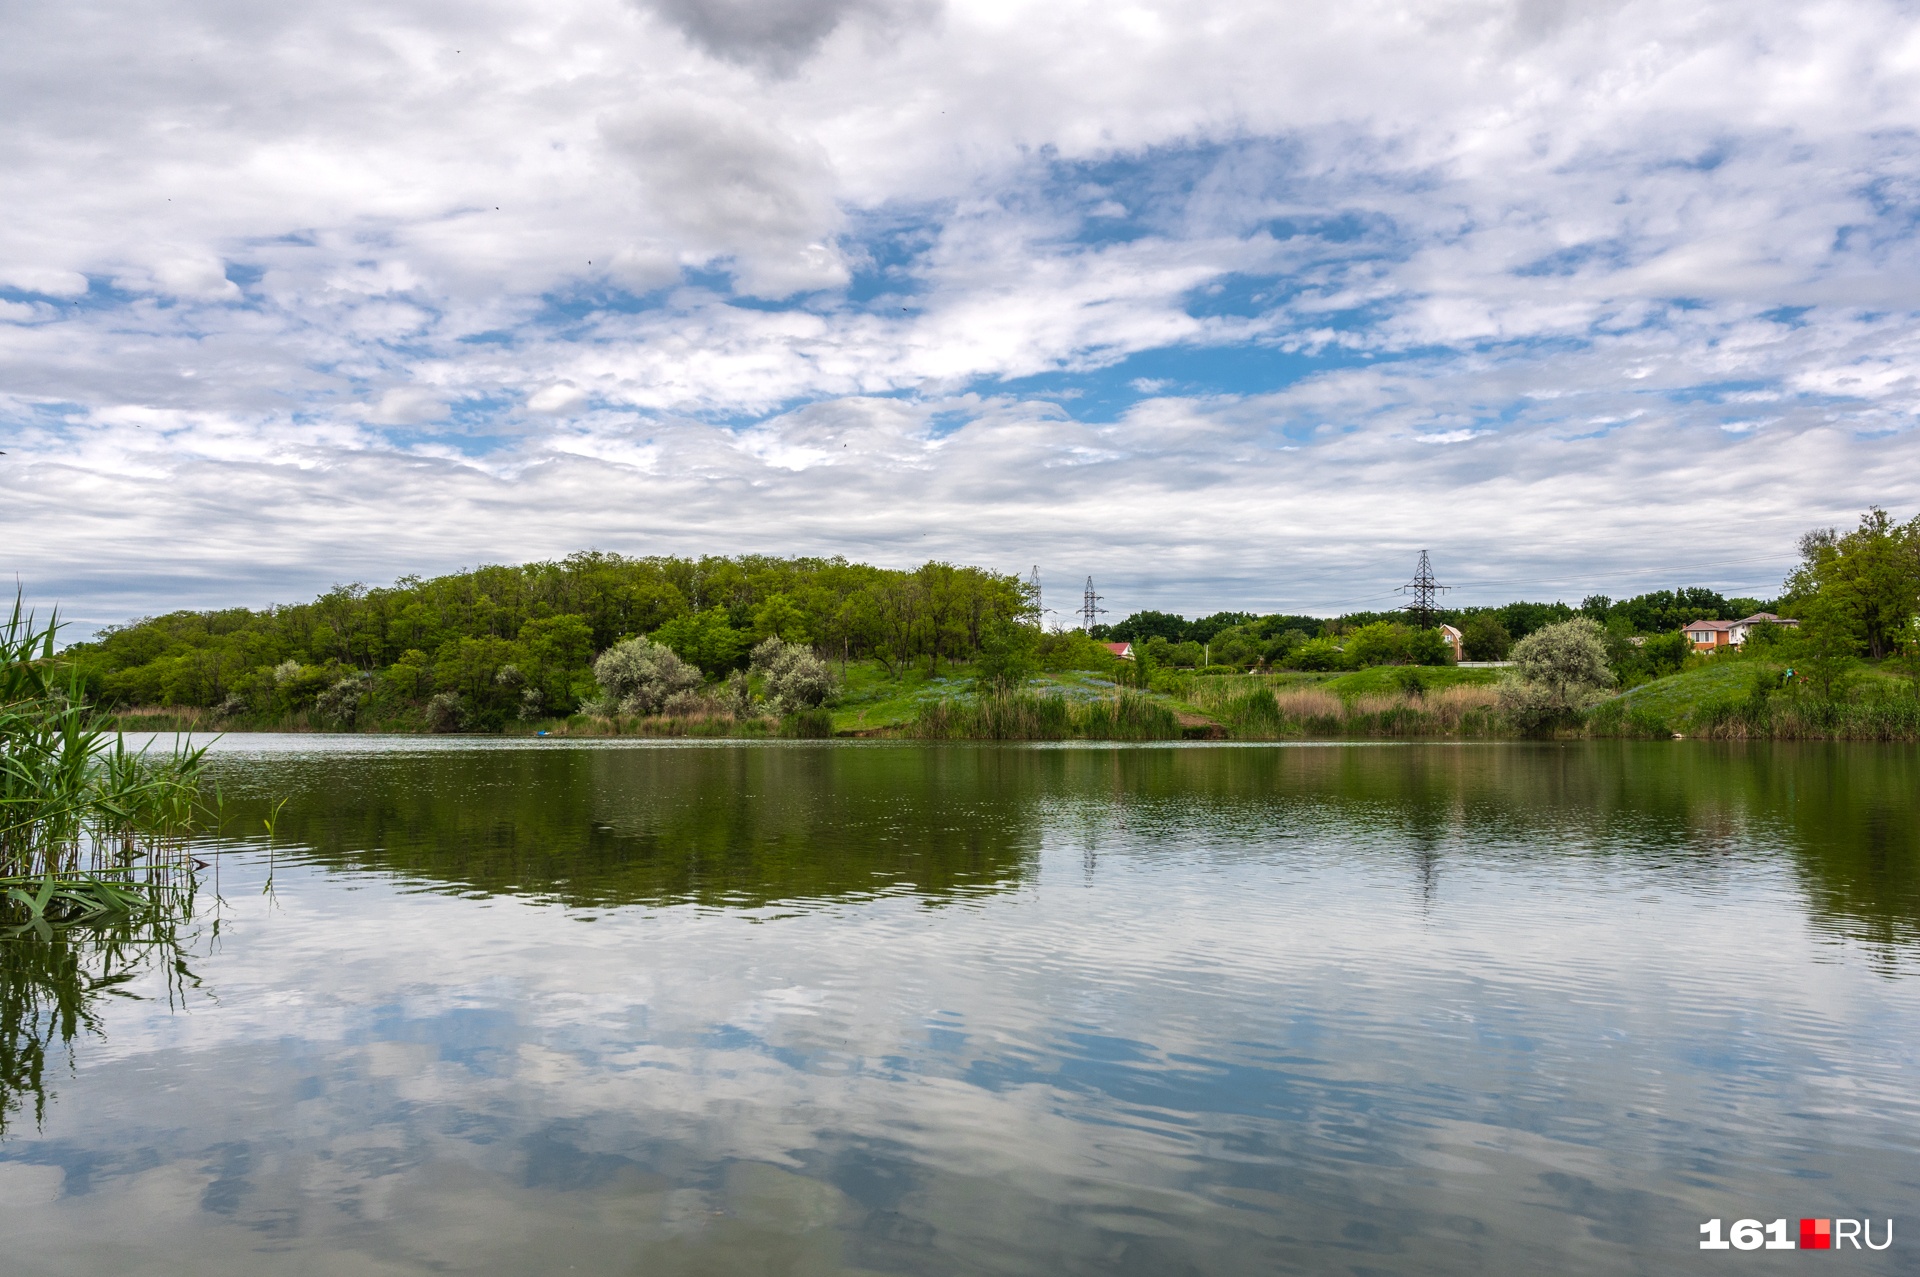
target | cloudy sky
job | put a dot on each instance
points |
(1229, 304)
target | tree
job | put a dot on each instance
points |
(1823, 649)
(1141, 626)
(1381, 643)
(1317, 654)
(779, 617)
(1485, 638)
(1868, 580)
(640, 676)
(1559, 670)
(705, 638)
(1666, 653)
(1426, 647)
(1007, 654)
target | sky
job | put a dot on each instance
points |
(1228, 305)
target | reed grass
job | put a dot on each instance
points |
(1025, 716)
(1255, 710)
(1881, 718)
(88, 827)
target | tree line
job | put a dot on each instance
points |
(1358, 639)
(521, 640)
(501, 642)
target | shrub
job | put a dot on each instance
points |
(638, 676)
(340, 703)
(795, 678)
(1561, 670)
(446, 712)
(808, 724)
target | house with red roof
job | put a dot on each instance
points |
(1122, 650)
(1708, 636)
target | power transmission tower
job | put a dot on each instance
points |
(1089, 607)
(1033, 591)
(1423, 588)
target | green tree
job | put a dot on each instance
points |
(1317, 654)
(1426, 647)
(705, 638)
(1008, 654)
(1666, 653)
(1484, 638)
(1559, 670)
(1381, 643)
(780, 617)
(1867, 580)
(1824, 649)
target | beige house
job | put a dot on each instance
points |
(1456, 640)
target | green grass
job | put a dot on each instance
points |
(1675, 699)
(1385, 680)
(873, 699)
(1716, 696)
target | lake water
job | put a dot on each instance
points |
(819, 1008)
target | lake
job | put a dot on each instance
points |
(535, 1007)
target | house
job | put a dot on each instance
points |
(1457, 641)
(1708, 636)
(1122, 650)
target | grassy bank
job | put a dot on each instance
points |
(1736, 699)
(1722, 698)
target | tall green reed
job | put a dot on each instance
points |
(1024, 716)
(78, 808)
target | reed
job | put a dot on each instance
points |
(1254, 711)
(88, 827)
(1878, 718)
(1025, 716)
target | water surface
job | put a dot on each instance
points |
(547, 1007)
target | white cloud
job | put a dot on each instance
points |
(1595, 230)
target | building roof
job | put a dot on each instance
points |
(1121, 650)
(1758, 618)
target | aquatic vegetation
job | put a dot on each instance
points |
(86, 824)
(1025, 716)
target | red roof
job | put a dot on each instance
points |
(1122, 650)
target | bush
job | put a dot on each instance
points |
(446, 713)
(795, 678)
(1561, 670)
(340, 704)
(639, 676)
(808, 724)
